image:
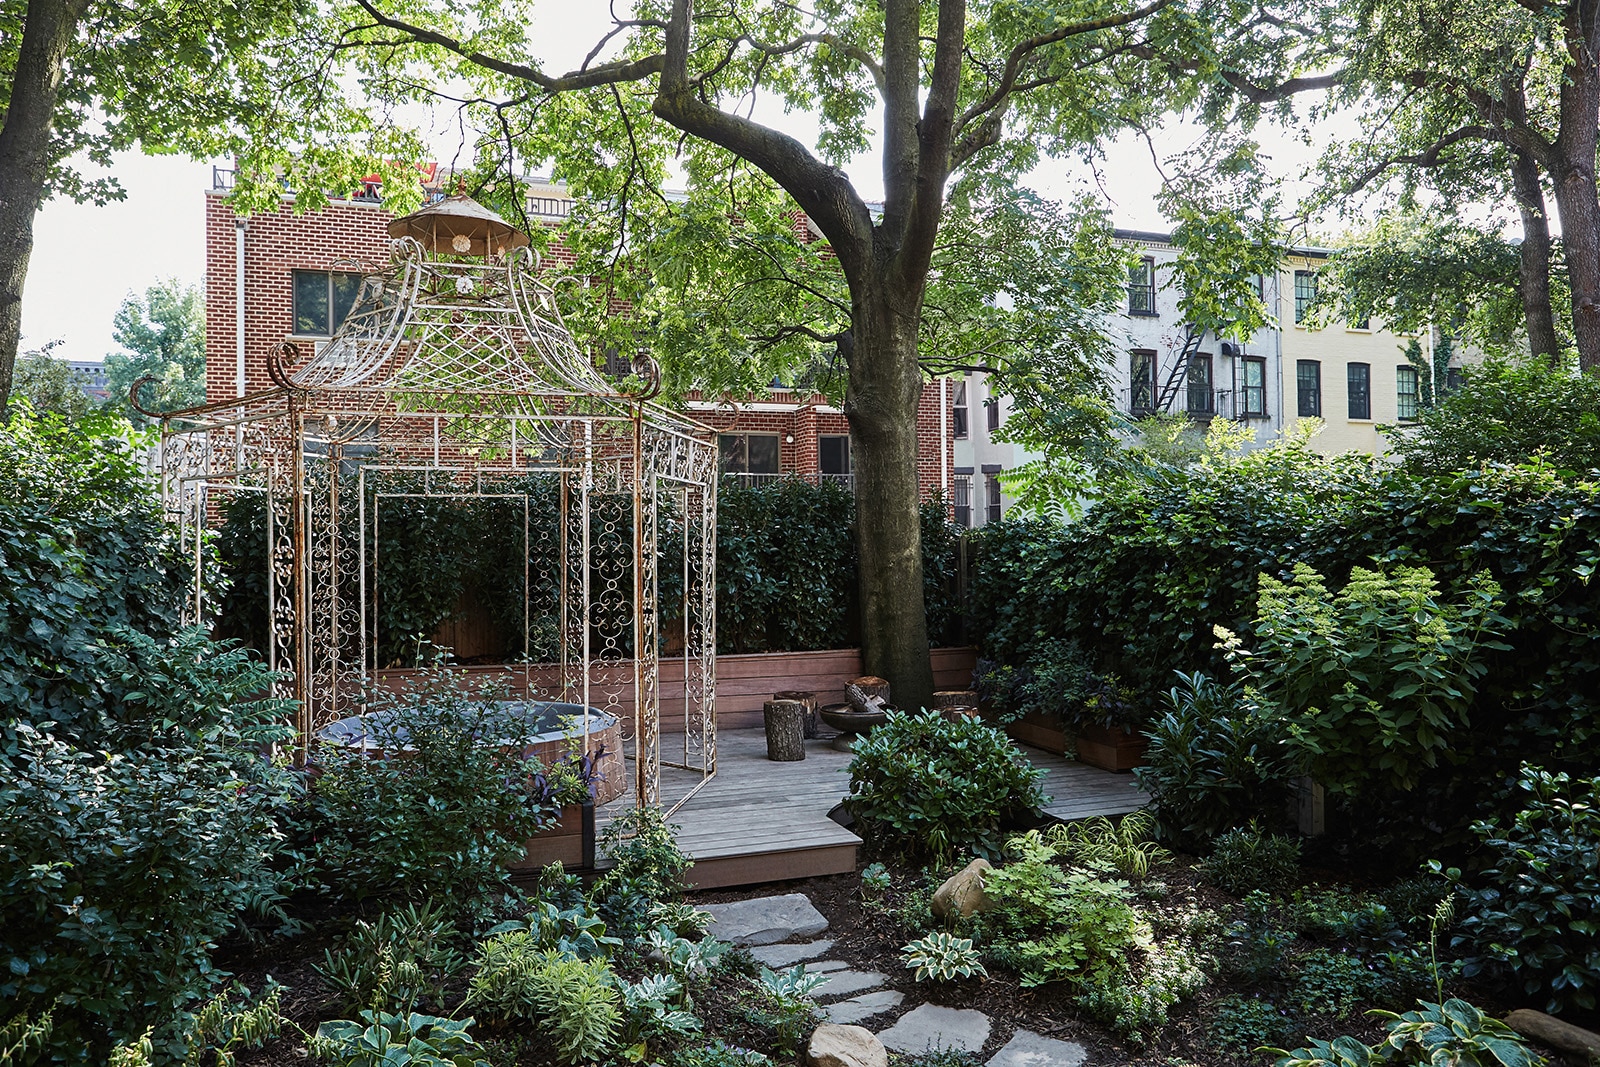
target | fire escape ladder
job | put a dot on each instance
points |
(1178, 376)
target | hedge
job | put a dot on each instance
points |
(1141, 580)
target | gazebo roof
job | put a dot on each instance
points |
(459, 225)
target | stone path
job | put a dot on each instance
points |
(782, 931)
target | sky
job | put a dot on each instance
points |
(88, 259)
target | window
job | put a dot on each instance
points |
(1305, 293)
(1142, 380)
(1406, 392)
(322, 299)
(1363, 323)
(1255, 387)
(1453, 379)
(991, 414)
(1359, 388)
(991, 497)
(961, 497)
(833, 456)
(748, 454)
(958, 411)
(1202, 401)
(1142, 287)
(1308, 387)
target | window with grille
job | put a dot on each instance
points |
(1202, 400)
(1305, 293)
(961, 498)
(1407, 392)
(1358, 379)
(748, 453)
(991, 494)
(1308, 388)
(322, 301)
(1255, 387)
(1142, 287)
(833, 456)
(1142, 382)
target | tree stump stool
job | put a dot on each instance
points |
(872, 686)
(956, 703)
(813, 722)
(785, 721)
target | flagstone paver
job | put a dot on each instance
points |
(865, 1006)
(1028, 1049)
(933, 1027)
(765, 920)
(785, 956)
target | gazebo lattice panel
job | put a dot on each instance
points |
(453, 378)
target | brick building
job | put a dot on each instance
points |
(286, 276)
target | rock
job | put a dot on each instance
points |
(825, 966)
(844, 983)
(765, 920)
(833, 1045)
(783, 956)
(962, 893)
(1548, 1030)
(864, 1006)
(933, 1027)
(1028, 1049)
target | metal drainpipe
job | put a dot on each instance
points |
(1277, 344)
(944, 440)
(238, 307)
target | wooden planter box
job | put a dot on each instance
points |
(1111, 749)
(570, 842)
(1041, 731)
(1098, 746)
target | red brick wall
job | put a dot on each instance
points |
(277, 244)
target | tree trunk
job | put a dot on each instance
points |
(1534, 281)
(1580, 237)
(881, 403)
(26, 157)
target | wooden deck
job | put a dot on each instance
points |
(760, 821)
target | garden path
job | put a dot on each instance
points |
(760, 821)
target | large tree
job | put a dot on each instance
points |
(81, 80)
(163, 336)
(953, 91)
(1486, 99)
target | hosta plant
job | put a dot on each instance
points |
(943, 957)
(1454, 1034)
(381, 1040)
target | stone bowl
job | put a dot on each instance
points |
(850, 723)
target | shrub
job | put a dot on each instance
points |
(1240, 1025)
(1535, 912)
(942, 957)
(922, 784)
(393, 963)
(88, 560)
(1327, 982)
(1256, 946)
(577, 1000)
(124, 867)
(1135, 1003)
(438, 821)
(1246, 859)
(1057, 679)
(1377, 679)
(1052, 925)
(1216, 760)
(647, 868)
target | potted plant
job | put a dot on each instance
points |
(1055, 699)
(569, 840)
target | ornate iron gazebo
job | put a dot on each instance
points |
(453, 378)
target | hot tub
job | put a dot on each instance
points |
(548, 723)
